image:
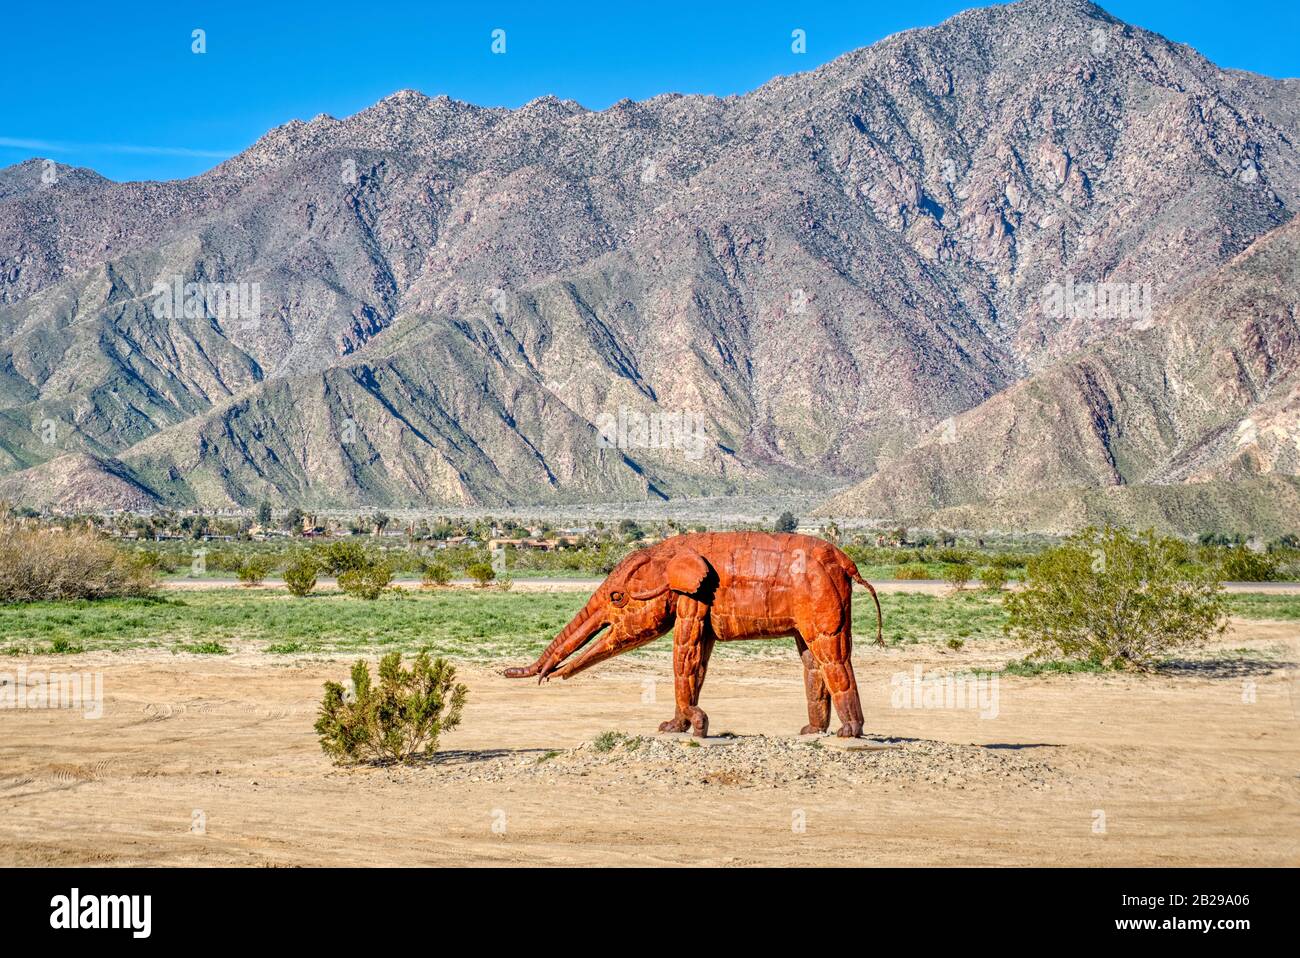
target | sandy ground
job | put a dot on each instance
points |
(212, 760)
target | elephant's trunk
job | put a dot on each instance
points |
(580, 630)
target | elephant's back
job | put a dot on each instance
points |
(738, 556)
(770, 583)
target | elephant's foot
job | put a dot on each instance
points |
(694, 719)
(813, 730)
(850, 730)
(699, 723)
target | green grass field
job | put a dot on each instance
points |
(460, 622)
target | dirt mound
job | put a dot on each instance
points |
(758, 761)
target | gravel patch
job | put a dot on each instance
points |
(758, 762)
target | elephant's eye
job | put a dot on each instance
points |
(618, 598)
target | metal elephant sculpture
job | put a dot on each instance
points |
(722, 587)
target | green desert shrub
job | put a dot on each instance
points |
(396, 720)
(300, 575)
(958, 575)
(254, 569)
(41, 563)
(953, 555)
(368, 581)
(1010, 560)
(482, 573)
(1116, 599)
(914, 571)
(208, 647)
(607, 741)
(1240, 564)
(156, 560)
(436, 574)
(339, 557)
(993, 577)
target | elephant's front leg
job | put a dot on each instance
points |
(692, 644)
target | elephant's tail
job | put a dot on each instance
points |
(852, 569)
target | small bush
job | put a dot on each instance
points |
(958, 575)
(954, 556)
(284, 648)
(340, 557)
(1245, 565)
(366, 582)
(505, 583)
(254, 570)
(916, 571)
(993, 577)
(38, 564)
(300, 575)
(398, 719)
(154, 560)
(482, 573)
(204, 648)
(606, 741)
(1115, 599)
(436, 574)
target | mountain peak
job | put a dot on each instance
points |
(407, 97)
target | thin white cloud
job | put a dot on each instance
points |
(48, 146)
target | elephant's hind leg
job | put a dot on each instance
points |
(819, 696)
(833, 652)
(692, 644)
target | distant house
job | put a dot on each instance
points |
(536, 544)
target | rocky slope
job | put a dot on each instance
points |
(453, 300)
(1207, 393)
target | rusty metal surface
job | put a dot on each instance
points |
(723, 587)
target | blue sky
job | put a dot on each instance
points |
(115, 87)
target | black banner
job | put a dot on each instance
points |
(334, 906)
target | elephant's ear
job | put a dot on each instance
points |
(686, 572)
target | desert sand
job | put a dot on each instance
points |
(212, 760)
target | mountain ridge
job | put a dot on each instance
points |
(824, 267)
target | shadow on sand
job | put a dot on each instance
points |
(470, 756)
(1218, 668)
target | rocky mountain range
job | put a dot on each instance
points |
(1030, 249)
(1172, 423)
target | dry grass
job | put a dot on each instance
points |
(47, 563)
